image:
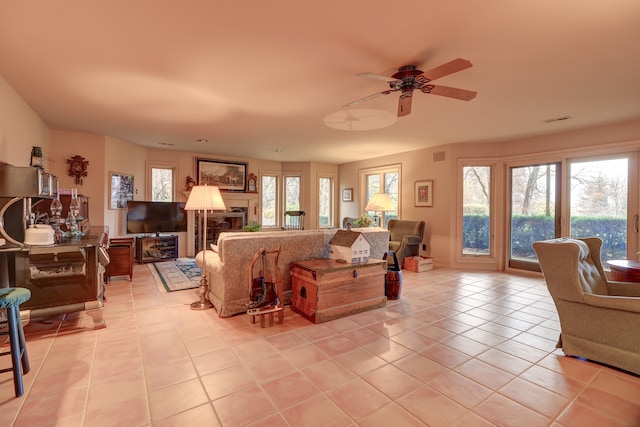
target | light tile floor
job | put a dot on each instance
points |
(458, 349)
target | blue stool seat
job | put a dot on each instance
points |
(10, 299)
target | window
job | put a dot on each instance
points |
(386, 180)
(599, 196)
(269, 192)
(292, 199)
(476, 210)
(162, 179)
(325, 201)
(535, 211)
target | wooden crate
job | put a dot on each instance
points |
(418, 264)
(325, 289)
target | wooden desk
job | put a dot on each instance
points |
(324, 289)
(624, 270)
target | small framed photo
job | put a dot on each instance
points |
(424, 193)
(347, 194)
(121, 190)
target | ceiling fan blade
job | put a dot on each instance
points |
(366, 98)
(376, 76)
(449, 92)
(404, 104)
(450, 67)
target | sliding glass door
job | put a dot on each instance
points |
(599, 204)
(595, 197)
(534, 211)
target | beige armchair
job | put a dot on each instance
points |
(346, 220)
(599, 319)
(406, 237)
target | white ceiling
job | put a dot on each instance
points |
(256, 76)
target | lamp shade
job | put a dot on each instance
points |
(380, 202)
(205, 197)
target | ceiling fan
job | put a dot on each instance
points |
(409, 77)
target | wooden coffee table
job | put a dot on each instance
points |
(325, 289)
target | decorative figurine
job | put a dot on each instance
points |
(190, 183)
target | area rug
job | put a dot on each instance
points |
(178, 275)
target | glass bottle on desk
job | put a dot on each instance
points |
(74, 212)
(56, 211)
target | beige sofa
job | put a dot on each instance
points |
(227, 263)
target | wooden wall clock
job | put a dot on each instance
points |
(78, 168)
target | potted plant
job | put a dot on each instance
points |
(252, 226)
(364, 221)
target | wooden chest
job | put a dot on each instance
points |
(325, 289)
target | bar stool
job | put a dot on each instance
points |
(10, 299)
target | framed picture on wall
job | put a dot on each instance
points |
(347, 194)
(121, 190)
(423, 193)
(227, 176)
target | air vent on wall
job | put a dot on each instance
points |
(557, 119)
(438, 157)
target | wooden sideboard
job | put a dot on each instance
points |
(120, 258)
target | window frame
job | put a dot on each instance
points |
(492, 257)
(332, 199)
(150, 166)
(285, 177)
(277, 202)
(380, 171)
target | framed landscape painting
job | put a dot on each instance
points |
(227, 176)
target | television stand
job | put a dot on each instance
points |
(156, 248)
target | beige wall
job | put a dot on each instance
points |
(442, 230)
(20, 129)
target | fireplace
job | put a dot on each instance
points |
(242, 208)
(233, 220)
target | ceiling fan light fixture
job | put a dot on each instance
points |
(409, 77)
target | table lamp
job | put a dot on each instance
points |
(204, 198)
(380, 202)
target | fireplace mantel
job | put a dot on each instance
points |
(231, 200)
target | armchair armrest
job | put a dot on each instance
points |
(623, 289)
(613, 302)
(411, 240)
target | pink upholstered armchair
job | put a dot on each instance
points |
(599, 319)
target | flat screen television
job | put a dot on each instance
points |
(155, 217)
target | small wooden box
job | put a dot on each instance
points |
(325, 289)
(418, 264)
